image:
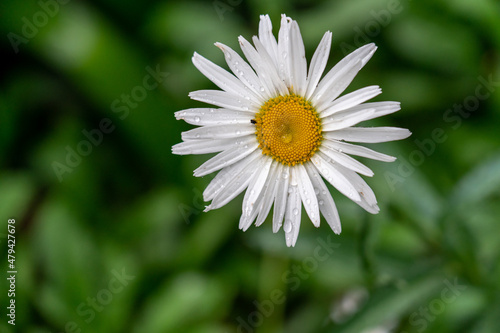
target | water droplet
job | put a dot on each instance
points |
(316, 191)
(262, 89)
(285, 175)
(340, 150)
(288, 226)
(238, 132)
(236, 63)
(197, 119)
(321, 202)
(295, 211)
(308, 201)
(197, 136)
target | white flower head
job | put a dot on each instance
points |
(281, 129)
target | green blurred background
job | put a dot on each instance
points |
(109, 231)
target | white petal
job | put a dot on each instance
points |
(346, 161)
(254, 192)
(270, 189)
(325, 200)
(267, 38)
(224, 100)
(334, 176)
(346, 118)
(226, 175)
(318, 63)
(293, 213)
(218, 132)
(235, 186)
(306, 191)
(221, 77)
(359, 113)
(352, 99)
(271, 70)
(211, 116)
(243, 71)
(381, 108)
(264, 69)
(368, 200)
(298, 69)
(281, 197)
(340, 76)
(358, 151)
(226, 158)
(369, 134)
(284, 63)
(208, 146)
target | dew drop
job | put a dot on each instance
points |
(238, 132)
(285, 175)
(288, 226)
(321, 202)
(197, 119)
(197, 136)
(316, 191)
(295, 211)
(308, 201)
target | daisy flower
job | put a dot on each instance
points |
(280, 129)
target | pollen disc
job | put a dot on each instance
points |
(288, 129)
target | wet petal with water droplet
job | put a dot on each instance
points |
(210, 116)
(306, 191)
(325, 200)
(218, 132)
(334, 177)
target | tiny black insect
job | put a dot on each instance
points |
(253, 121)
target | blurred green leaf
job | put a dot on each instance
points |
(477, 185)
(390, 303)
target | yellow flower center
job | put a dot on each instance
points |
(288, 129)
